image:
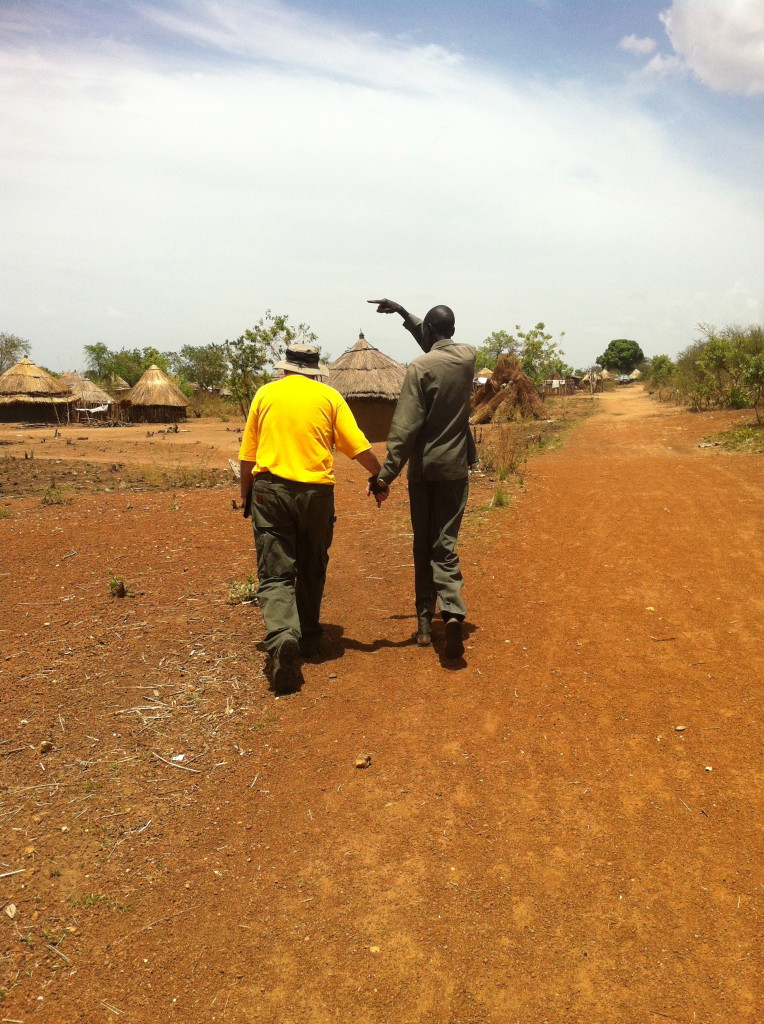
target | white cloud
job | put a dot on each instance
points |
(720, 41)
(307, 178)
(635, 44)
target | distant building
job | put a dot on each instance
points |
(155, 399)
(31, 394)
(371, 383)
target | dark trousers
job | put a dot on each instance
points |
(437, 508)
(293, 525)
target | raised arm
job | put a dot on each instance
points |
(412, 323)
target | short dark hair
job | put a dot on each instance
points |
(441, 320)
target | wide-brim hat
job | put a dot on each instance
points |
(305, 359)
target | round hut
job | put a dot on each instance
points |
(117, 386)
(31, 394)
(155, 399)
(91, 402)
(370, 382)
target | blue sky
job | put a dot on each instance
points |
(171, 169)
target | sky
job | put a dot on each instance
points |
(172, 169)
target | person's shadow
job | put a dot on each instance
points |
(334, 643)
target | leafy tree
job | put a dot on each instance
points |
(722, 368)
(753, 379)
(129, 364)
(252, 355)
(540, 357)
(661, 370)
(621, 354)
(494, 346)
(205, 365)
(12, 350)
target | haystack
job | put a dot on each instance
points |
(155, 399)
(32, 394)
(90, 400)
(371, 383)
(508, 395)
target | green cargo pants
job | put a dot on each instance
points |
(293, 525)
(437, 508)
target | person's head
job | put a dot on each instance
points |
(302, 359)
(438, 324)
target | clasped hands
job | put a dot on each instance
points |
(379, 489)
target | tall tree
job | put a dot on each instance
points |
(497, 344)
(621, 354)
(205, 365)
(12, 350)
(251, 356)
(540, 356)
(129, 363)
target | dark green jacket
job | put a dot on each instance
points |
(430, 428)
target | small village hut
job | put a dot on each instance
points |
(371, 383)
(116, 386)
(30, 393)
(90, 400)
(155, 399)
(635, 375)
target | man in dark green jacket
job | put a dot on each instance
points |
(430, 431)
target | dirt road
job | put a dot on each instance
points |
(565, 828)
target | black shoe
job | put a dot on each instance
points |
(309, 648)
(284, 674)
(454, 642)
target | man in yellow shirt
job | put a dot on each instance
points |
(288, 466)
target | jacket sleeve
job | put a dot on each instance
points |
(414, 326)
(408, 420)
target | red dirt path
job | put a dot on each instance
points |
(534, 841)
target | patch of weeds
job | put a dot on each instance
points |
(747, 438)
(500, 498)
(174, 506)
(176, 478)
(55, 496)
(7, 513)
(89, 899)
(243, 593)
(225, 419)
(117, 585)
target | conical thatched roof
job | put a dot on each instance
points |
(116, 383)
(27, 383)
(485, 372)
(156, 388)
(84, 390)
(365, 372)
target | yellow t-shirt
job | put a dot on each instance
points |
(291, 428)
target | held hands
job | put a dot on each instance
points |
(388, 306)
(379, 489)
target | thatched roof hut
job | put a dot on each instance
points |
(89, 398)
(27, 392)
(117, 386)
(155, 398)
(371, 383)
